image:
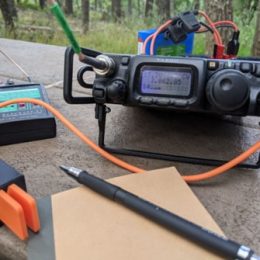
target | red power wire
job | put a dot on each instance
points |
(216, 34)
(159, 30)
(225, 22)
(146, 42)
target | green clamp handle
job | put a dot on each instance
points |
(58, 13)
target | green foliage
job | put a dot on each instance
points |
(245, 9)
(124, 40)
(106, 36)
(28, 4)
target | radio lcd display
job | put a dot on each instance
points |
(166, 81)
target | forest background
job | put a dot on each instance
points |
(112, 25)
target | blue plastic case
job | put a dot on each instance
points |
(165, 47)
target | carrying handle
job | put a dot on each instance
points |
(68, 76)
(80, 76)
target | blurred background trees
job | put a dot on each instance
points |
(9, 13)
(219, 10)
(85, 15)
(256, 41)
(120, 20)
(42, 3)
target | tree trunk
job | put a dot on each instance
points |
(173, 8)
(100, 5)
(12, 8)
(69, 6)
(250, 6)
(148, 7)
(42, 3)
(9, 12)
(196, 4)
(85, 15)
(138, 8)
(129, 7)
(164, 9)
(256, 44)
(219, 10)
(116, 10)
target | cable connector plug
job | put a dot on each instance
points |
(109, 67)
(102, 64)
(190, 23)
(233, 45)
(175, 32)
(218, 51)
(182, 25)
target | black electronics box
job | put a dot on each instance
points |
(24, 122)
(8, 176)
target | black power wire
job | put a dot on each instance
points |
(209, 29)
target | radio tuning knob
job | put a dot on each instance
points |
(116, 91)
(228, 90)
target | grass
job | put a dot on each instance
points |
(103, 36)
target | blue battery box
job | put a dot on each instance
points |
(164, 46)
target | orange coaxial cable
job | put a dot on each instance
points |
(75, 130)
(190, 178)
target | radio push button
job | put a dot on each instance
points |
(162, 101)
(146, 100)
(246, 67)
(257, 70)
(229, 65)
(125, 60)
(180, 103)
(213, 65)
(237, 66)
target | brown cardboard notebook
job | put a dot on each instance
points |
(89, 226)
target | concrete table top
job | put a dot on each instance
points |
(233, 199)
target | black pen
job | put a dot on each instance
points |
(220, 245)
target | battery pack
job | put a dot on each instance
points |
(25, 122)
(164, 46)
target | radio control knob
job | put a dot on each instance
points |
(116, 91)
(228, 90)
(257, 70)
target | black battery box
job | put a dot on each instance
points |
(8, 176)
(25, 122)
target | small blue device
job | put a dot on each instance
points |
(165, 46)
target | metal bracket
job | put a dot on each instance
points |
(101, 111)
